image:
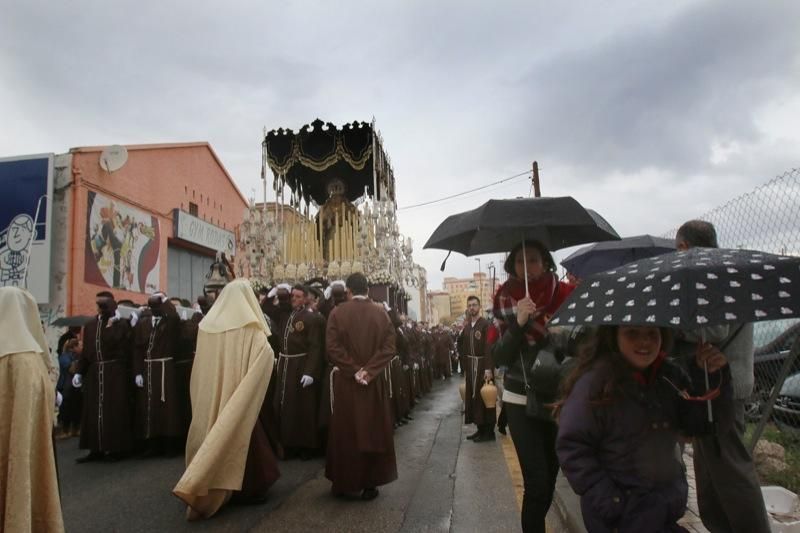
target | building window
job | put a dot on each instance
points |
(186, 189)
(193, 209)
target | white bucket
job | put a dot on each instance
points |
(782, 505)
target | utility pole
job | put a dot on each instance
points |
(537, 192)
(480, 280)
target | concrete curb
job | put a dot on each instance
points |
(565, 513)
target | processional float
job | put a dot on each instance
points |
(333, 212)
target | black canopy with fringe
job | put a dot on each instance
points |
(308, 160)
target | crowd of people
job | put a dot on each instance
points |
(304, 370)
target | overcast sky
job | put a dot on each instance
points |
(650, 112)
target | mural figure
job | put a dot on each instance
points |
(122, 246)
(15, 247)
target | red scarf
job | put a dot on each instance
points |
(648, 375)
(546, 292)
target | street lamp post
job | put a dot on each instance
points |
(480, 281)
(493, 270)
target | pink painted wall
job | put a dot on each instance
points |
(156, 179)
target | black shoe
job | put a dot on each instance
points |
(306, 455)
(90, 457)
(347, 496)
(501, 429)
(248, 499)
(115, 457)
(369, 494)
(474, 435)
(408, 417)
(484, 437)
(149, 452)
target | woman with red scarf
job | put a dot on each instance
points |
(518, 334)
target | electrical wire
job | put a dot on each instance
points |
(450, 197)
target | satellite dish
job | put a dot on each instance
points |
(113, 158)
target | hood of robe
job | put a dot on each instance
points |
(235, 307)
(21, 328)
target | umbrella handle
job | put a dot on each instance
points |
(708, 402)
(525, 265)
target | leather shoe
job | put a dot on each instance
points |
(90, 457)
(484, 437)
(474, 435)
(501, 429)
(369, 494)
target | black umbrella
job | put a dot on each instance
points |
(611, 254)
(72, 321)
(686, 290)
(499, 225)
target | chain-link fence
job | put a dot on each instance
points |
(768, 219)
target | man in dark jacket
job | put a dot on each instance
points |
(728, 491)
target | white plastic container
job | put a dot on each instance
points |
(782, 505)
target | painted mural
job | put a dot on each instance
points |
(122, 246)
(27, 184)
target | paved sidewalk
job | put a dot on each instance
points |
(691, 520)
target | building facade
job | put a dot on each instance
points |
(154, 224)
(439, 304)
(460, 289)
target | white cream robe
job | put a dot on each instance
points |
(29, 499)
(232, 367)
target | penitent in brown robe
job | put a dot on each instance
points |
(301, 354)
(476, 357)
(360, 451)
(104, 364)
(159, 404)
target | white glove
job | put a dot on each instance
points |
(77, 381)
(306, 381)
(139, 381)
(59, 399)
(405, 367)
(134, 319)
(416, 366)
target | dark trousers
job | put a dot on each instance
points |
(728, 493)
(535, 443)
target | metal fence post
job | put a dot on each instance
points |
(776, 389)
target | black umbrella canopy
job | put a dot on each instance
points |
(499, 225)
(690, 289)
(606, 255)
(72, 321)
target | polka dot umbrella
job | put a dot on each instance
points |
(700, 287)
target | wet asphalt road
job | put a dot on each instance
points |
(445, 484)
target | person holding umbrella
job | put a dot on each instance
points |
(623, 408)
(699, 287)
(521, 307)
(729, 494)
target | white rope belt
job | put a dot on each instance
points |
(285, 358)
(387, 375)
(335, 370)
(163, 362)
